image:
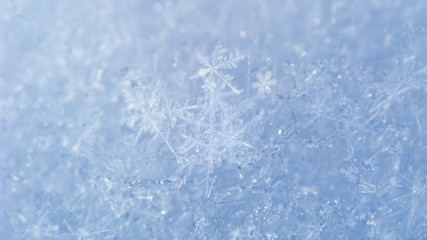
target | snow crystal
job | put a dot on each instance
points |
(213, 119)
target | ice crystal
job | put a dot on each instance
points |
(213, 119)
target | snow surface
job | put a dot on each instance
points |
(213, 119)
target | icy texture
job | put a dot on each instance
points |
(213, 119)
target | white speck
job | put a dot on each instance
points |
(108, 183)
(99, 74)
(22, 218)
(371, 222)
(242, 34)
(307, 190)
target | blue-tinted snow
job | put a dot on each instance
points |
(213, 119)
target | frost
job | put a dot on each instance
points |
(213, 120)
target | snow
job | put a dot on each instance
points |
(213, 119)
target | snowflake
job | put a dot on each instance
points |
(211, 72)
(264, 83)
